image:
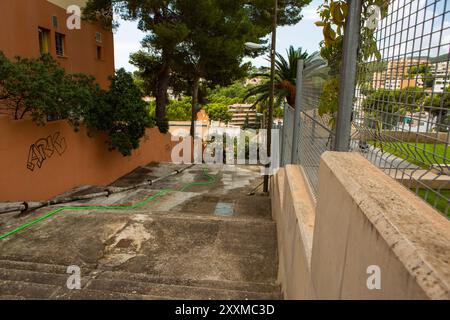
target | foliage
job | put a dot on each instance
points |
(40, 89)
(387, 107)
(328, 102)
(202, 38)
(424, 71)
(438, 104)
(285, 79)
(234, 93)
(246, 122)
(121, 113)
(218, 112)
(263, 108)
(333, 14)
(177, 110)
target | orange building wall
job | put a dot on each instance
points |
(75, 159)
(19, 22)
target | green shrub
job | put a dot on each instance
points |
(121, 113)
(41, 89)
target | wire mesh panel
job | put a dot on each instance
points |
(401, 113)
(315, 133)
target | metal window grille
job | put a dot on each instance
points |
(59, 43)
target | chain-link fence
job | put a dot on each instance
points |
(400, 118)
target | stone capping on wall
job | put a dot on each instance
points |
(293, 211)
(417, 234)
(303, 203)
(362, 218)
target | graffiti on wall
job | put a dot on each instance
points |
(45, 148)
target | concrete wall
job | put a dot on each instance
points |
(362, 218)
(293, 210)
(37, 163)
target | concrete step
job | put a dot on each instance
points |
(87, 294)
(27, 290)
(217, 284)
(189, 215)
(20, 290)
(35, 266)
(175, 291)
(49, 282)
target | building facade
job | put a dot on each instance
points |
(441, 72)
(29, 28)
(241, 112)
(396, 75)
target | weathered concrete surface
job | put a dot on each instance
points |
(210, 242)
(293, 211)
(362, 219)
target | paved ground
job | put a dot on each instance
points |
(207, 242)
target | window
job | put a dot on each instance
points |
(99, 53)
(60, 44)
(55, 21)
(44, 36)
(98, 37)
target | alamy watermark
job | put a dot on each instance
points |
(73, 22)
(374, 17)
(231, 146)
(374, 279)
(74, 280)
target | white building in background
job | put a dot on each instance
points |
(417, 122)
(442, 76)
(241, 112)
(393, 84)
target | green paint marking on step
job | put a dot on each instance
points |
(210, 181)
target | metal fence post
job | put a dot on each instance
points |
(297, 113)
(348, 76)
(288, 124)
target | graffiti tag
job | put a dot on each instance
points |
(45, 148)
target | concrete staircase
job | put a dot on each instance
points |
(19, 282)
(183, 256)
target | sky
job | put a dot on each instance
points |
(305, 34)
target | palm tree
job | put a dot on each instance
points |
(285, 78)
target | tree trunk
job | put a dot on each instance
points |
(195, 87)
(162, 86)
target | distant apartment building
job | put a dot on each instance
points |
(396, 75)
(29, 28)
(441, 72)
(241, 112)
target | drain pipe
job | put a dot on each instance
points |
(23, 207)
